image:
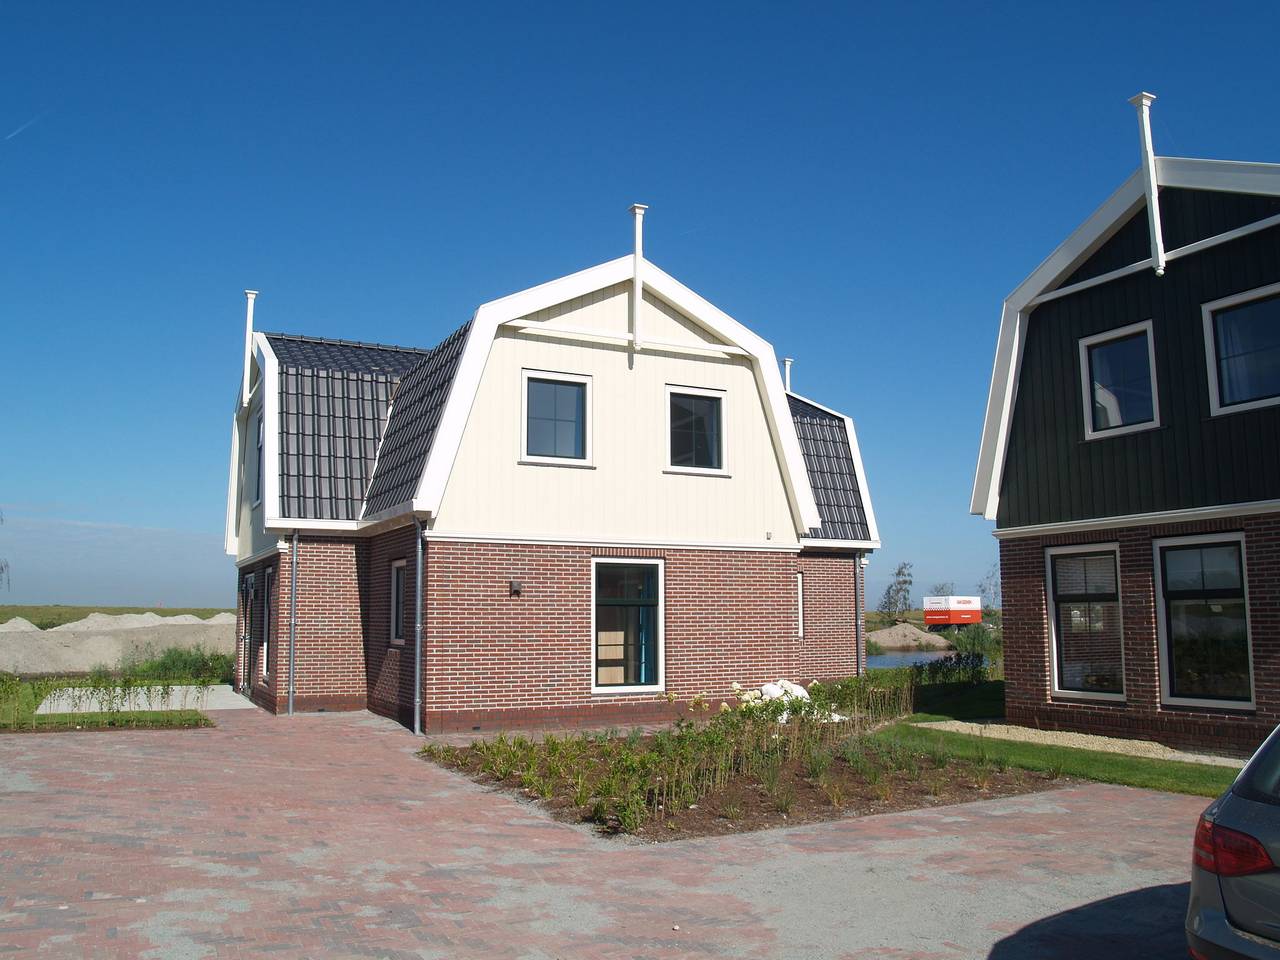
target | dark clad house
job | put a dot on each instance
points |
(1131, 461)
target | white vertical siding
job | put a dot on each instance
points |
(625, 495)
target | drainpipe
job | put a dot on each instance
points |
(1143, 103)
(637, 285)
(857, 613)
(417, 630)
(293, 613)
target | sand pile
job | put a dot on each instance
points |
(907, 636)
(16, 624)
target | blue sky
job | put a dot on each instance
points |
(861, 185)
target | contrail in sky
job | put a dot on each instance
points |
(24, 126)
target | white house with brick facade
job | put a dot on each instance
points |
(593, 498)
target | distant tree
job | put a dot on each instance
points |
(989, 588)
(897, 595)
(945, 589)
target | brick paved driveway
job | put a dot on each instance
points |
(322, 836)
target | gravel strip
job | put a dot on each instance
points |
(1083, 741)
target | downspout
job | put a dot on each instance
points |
(857, 614)
(293, 613)
(417, 630)
(1143, 102)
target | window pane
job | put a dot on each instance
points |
(1209, 649)
(1089, 647)
(1120, 374)
(1182, 569)
(1247, 340)
(1085, 575)
(1069, 575)
(695, 431)
(620, 582)
(1100, 574)
(1221, 567)
(556, 419)
(626, 645)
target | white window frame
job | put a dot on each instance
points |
(1051, 609)
(558, 376)
(259, 480)
(800, 604)
(268, 580)
(395, 625)
(1086, 386)
(661, 685)
(1207, 310)
(1162, 628)
(723, 397)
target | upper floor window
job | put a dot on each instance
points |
(697, 432)
(257, 486)
(1242, 347)
(555, 421)
(1118, 376)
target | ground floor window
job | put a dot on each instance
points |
(1204, 624)
(1087, 638)
(399, 572)
(268, 618)
(628, 624)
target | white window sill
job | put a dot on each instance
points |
(697, 472)
(556, 462)
(651, 688)
(1086, 696)
(1109, 432)
(396, 643)
(1190, 703)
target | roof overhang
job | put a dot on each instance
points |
(1219, 175)
(489, 317)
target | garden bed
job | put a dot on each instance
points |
(749, 767)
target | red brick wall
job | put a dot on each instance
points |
(1028, 698)
(493, 659)
(389, 667)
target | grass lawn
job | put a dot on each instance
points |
(18, 706)
(1172, 776)
(55, 615)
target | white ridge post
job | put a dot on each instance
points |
(637, 285)
(250, 296)
(1143, 103)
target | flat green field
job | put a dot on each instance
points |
(55, 615)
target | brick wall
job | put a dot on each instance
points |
(493, 659)
(1028, 696)
(389, 666)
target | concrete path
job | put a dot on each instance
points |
(219, 696)
(1082, 741)
(323, 836)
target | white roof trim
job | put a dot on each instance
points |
(1223, 175)
(859, 473)
(492, 315)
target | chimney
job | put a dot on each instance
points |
(250, 296)
(637, 285)
(786, 372)
(1142, 102)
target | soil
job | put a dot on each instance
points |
(907, 636)
(745, 805)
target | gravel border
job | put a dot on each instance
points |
(1082, 741)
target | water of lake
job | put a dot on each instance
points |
(904, 658)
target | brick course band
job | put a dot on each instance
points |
(1028, 693)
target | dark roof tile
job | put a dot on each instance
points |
(828, 458)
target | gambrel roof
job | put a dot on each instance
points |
(1090, 257)
(363, 432)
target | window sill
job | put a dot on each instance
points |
(1080, 696)
(1114, 432)
(395, 643)
(698, 472)
(608, 691)
(555, 462)
(1208, 706)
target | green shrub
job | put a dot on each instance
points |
(874, 648)
(183, 665)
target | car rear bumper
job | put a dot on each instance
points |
(1216, 939)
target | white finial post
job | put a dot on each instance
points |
(637, 285)
(1142, 102)
(250, 296)
(786, 372)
